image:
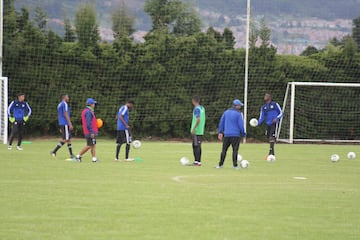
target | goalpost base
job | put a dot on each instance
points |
(324, 141)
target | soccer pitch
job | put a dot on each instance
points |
(157, 198)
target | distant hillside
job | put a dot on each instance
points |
(323, 9)
(295, 24)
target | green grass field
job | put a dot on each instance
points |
(43, 198)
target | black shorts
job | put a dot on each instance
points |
(65, 132)
(271, 130)
(123, 136)
(197, 140)
(90, 141)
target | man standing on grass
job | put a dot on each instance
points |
(19, 112)
(197, 129)
(123, 130)
(65, 125)
(231, 128)
(90, 128)
(271, 113)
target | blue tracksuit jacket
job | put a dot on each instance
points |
(232, 123)
(269, 112)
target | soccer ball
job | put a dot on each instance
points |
(351, 155)
(239, 157)
(334, 158)
(244, 164)
(253, 122)
(136, 144)
(271, 158)
(184, 161)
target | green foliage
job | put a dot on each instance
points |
(160, 74)
(350, 48)
(174, 16)
(254, 34)
(187, 23)
(310, 50)
(356, 31)
(229, 38)
(86, 26)
(264, 33)
(40, 18)
(70, 35)
(122, 21)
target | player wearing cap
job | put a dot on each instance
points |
(271, 114)
(123, 130)
(90, 129)
(197, 129)
(231, 128)
(19, 112)
(65, 125)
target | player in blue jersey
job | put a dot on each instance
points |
(231, 128)
(65, 125)
(19, 112)
(123, 129)
(271, 114)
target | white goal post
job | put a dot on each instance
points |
(320, 112)
(3, 109)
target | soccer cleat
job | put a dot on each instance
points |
(95, 161)
(129, 159)
(236, 168)
(73, 157)
(9, 147)
(116, 160)
(78, 159)
(53, 155)
(218, 167)
(19, 148)
(197, 164)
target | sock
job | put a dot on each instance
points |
(118, 146)
(94, 159)
(272, 150)
(78, 156)
(70, 149)
(60, 144)
(127, 151)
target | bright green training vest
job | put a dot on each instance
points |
(199, 130)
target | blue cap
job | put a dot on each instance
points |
(90, 101)
(237, 102)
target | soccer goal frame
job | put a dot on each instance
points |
(291, 91)
(3, 109)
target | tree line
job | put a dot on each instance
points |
(175, 61)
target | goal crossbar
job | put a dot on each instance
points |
(324, 84)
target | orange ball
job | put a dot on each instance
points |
(99, 122)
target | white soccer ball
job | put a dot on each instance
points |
(334, 158)
(271, 158)
(184, 161)
(239, 158)
(244, 164)
(136, 144)
(351, 155)
(253, 122)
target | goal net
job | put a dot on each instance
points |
(3, 109)
(320, 112)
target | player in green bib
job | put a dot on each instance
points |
(197, 129)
